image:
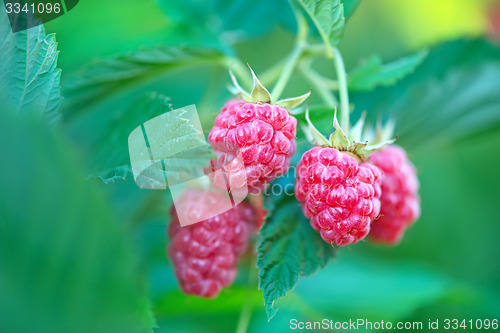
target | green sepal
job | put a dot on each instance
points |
(378, 138)
(355, 133)
(259, 93)
(291, 103)
(359, 149)
(384, 132)
(358, 145)
(312, 133)
(380, 144)
(338, 138)
(237, 89)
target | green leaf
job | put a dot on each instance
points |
(371, 288)
(350, 7)
(289, 248)
(110, 159)
(169, 148)
(176, 144)
(232, 299)
(440, 104)
(467, 101)
(112, 175)
(103, 79)
(29, 79)
(67, 266)
(328, 17)
(320, 115)
(373, 73)
(232, 21)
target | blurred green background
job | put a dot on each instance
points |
(449, 120)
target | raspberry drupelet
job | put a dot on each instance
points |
(340, 196)
(400, 203)
(265, 134)
(205, 254)
(258, 126)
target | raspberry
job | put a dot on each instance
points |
(261, 213)
(340, 196)
(205, 254)
(265, 134)
(400, 203)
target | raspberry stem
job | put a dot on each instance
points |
(294, 57)
(290, 65)
(272, 74)
(343, 94)
(319, 84)
(246, 310)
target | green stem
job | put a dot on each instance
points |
(290, 65)
(343, 94)
(330, 84)
(316, 49)
(294, 57)
(246, 310)
(272, 74)
(318, 83)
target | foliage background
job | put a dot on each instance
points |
(66, 242)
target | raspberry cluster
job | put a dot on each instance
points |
(400, 200)
(265, 134)
(349, 186)
(340, 196)
(205, 254)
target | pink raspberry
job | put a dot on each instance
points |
(400, 201)
(205, 254)
(265, 134)
(340, 196)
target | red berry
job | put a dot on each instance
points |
(205, 254)
(340, 196)
(265, 134)
(400, 201)
(257, 202)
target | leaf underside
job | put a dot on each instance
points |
(174, 139)
(29, 79)
(440, 104)
(110, 159)
(328, 17)
(103, 79)
(373, 73)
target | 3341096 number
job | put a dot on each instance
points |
(40, 8)
(478, 324)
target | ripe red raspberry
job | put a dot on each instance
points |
(205, 254)
(340, 196)
(400, 201)
(265, 134)
(257, 202)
